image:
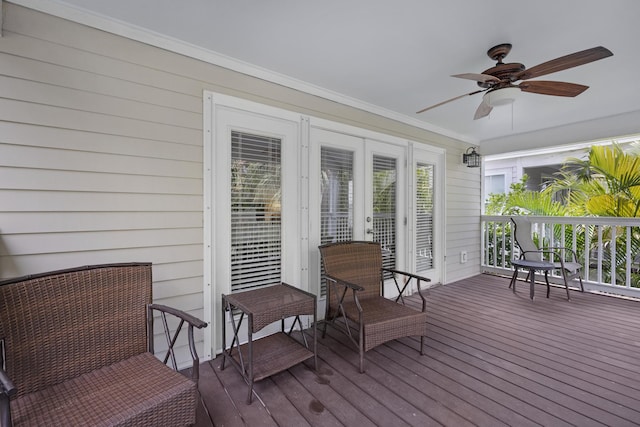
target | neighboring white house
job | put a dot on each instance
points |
(502, 170)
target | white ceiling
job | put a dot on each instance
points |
(397, 56)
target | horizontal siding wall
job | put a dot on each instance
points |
(100, 159)
(101, 154)
(463, 218)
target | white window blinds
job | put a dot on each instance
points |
(424, 216)
(256, 234)
(384, 207)
(336, 209)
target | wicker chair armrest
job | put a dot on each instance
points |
(344, 283)
(347, 286)
(192, 321)
(6, 385)
(405, 273)
(409, 276)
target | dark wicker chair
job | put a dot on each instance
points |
(76, 349)
(355, 294)
(564, 259)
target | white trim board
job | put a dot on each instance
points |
(86, 17)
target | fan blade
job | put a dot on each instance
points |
(565, 62)
(483, 110)
(449, 100)
(552, 88)
(482, 78)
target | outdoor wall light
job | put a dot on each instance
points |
(471, 159)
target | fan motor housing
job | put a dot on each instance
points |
(503, 72)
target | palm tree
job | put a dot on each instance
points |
(607, 182)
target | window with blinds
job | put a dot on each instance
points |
(256, 233)
(424, 216)
(336, 208)
(384, 207)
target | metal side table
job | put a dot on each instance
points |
(532, 266)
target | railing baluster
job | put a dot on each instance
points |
(629, 259)
(598, 242)
(600, 253)
(612, 254)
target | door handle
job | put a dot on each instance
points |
(370, 231)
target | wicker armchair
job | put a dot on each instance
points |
(564, 259)
(76, 348)
(355, 294)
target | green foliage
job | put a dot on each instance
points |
(520, 201)
(606, 183)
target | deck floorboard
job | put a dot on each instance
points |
(492, 358)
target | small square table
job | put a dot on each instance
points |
(532, 266)
(269, 355)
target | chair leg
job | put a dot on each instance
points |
(5, 410)
(422, 345)
(361, 345)
(566, 284)
(581, 287)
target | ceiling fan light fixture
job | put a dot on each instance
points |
(504, 96)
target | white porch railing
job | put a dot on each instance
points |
(608, 248)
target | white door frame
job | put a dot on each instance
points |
(222, 114)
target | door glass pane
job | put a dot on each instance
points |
(336, 208)
(255, 211)
(384, 207)
(424, 219)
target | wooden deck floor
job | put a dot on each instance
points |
(492, 358)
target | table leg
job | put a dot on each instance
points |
(546, 278)
(250, 345)
(224, 335)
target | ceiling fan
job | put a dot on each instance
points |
(498, 86)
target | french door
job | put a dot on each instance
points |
(385, 199)
(254, 203)
(361, 190)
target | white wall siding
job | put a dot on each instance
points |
(97, 163)
(101, 154)
(463, 217)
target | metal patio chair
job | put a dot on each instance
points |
(564, 259)
(355, 295)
